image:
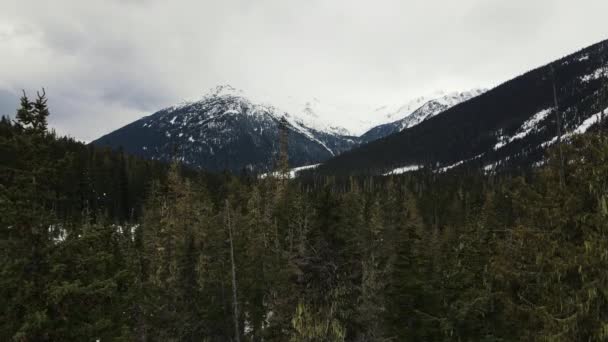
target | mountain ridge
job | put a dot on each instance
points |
(226, 130)
(223, 131)
(490, 131)
(428, 109)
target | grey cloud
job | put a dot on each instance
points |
(107, 63)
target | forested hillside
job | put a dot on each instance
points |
(96, 245)
(507, 127)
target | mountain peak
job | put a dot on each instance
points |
(224, 90)
(453, 98)
(508, 127)
(225, 123)
(418, 110)
(226, 130)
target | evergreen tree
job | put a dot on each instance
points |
(25, 117)
(373, 274)
(40, 113)
(32, 116)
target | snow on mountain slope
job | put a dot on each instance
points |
(436, 106)
(418, 110)
(351, 119)
(225, 130)
(321, 117)
(508, 127)
(525, 129)
(292, 173)
(404, 169)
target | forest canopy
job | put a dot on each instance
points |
(98, 244)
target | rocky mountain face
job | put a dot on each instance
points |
(226, 131)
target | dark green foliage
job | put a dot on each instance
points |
(24, 113)
(97, 244)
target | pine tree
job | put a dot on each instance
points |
(25, 117)
(40, 113)
(547, 267)
(283, 162)
(235, 300)
(169, 257)
(33, 116)
(558, 123)
(406, 282)
(28, 227)
(88, 286)
(373, 274)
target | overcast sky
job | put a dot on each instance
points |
(107, 63)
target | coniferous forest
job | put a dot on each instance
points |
(100, 245)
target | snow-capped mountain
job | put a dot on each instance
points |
(357, 120)
(320, 116)
(512, 123)
(226, 131)
(508, 127)
(416, 111)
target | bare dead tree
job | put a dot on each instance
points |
(235, 303)
(283, 147)
(604, 90)
(559, 130)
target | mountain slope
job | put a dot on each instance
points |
(511, 124)
(410, 116)
(225, 131)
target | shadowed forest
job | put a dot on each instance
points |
(98, 244)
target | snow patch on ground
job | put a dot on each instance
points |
(490, 167)
(404, 169)
(58, 233)
(293, 173)
(597, 74)
(582, 128)
(525, 129)
(449, 167)
(592, 120)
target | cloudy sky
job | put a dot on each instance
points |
(106, 63)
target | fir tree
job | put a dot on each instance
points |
(40, 113)
(25, 117)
